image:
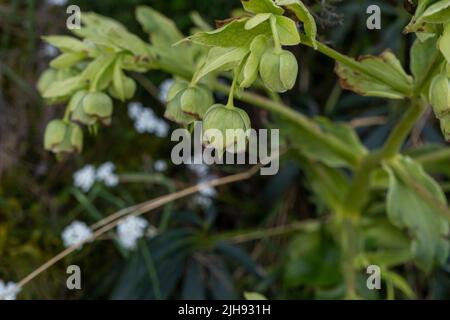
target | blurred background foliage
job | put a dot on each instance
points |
(218, 252)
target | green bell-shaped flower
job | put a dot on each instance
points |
(99, 106)
(196, 100)
(52, 76)
(63, 137)
(77, 110)
(278, 70)
(174, 113)
(440, 95)
(226, 127)
(129, 89)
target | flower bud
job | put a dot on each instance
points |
(440, 95)
(129, 89)
(278, 70)
(77, 110)
(225, 127)
(195, 101)
(176, 87)
(99, 106)
(46, 79)
(174, 113)
(63, 137)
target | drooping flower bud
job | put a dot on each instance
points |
(129, 89)
(174, 113)
(176, 87)
(225, 128)
(440, 95)
(278, 70)
(77, 110)
(46, 79)
(63, 137)
(196, 100)
(99, 106)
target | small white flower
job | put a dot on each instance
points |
(164, 89)
(208, 192)
(85, 178)
(202, 201)
(150, 123)
(75, 233)
(106, 174)
(201, 170)
(134, 110)
(151, 232)
(8, 291)
(161, 129)
(50, 51)
(160, 166)
(57, 2)
(130, 230)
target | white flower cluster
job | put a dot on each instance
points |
(146, 121)
(131, 230)
(75, 233)
(49, 51)
(164, 89)
(87, 176)
(57, 2)
(204, 198)
(160, 166)
(8, 291)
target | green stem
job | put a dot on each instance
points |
(433, 157)
(276, 37)
(403, 128)
(230, 103)
(153, 274)
(336, 145)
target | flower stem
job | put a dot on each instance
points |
(276, 37)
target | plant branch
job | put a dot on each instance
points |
(111, 222)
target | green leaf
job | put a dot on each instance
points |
(66, 43)
(254, 296)
(96, 71)
(64, 88)
(437, 13)
(330, 185)
(257, 20)
(251, 67)
(407, 208)
(162, 30)
(67, 60)
(421, 52)
(399, 282)
(221, 59)
(287, 31)
(314, 149)
(303, 15)
(383, 76)
(231, 35)
(312, 259)
(444, 43)
(261, 6)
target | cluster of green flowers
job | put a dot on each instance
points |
(92, 70)
(252, 47)
(86, 75)
(431, 23)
